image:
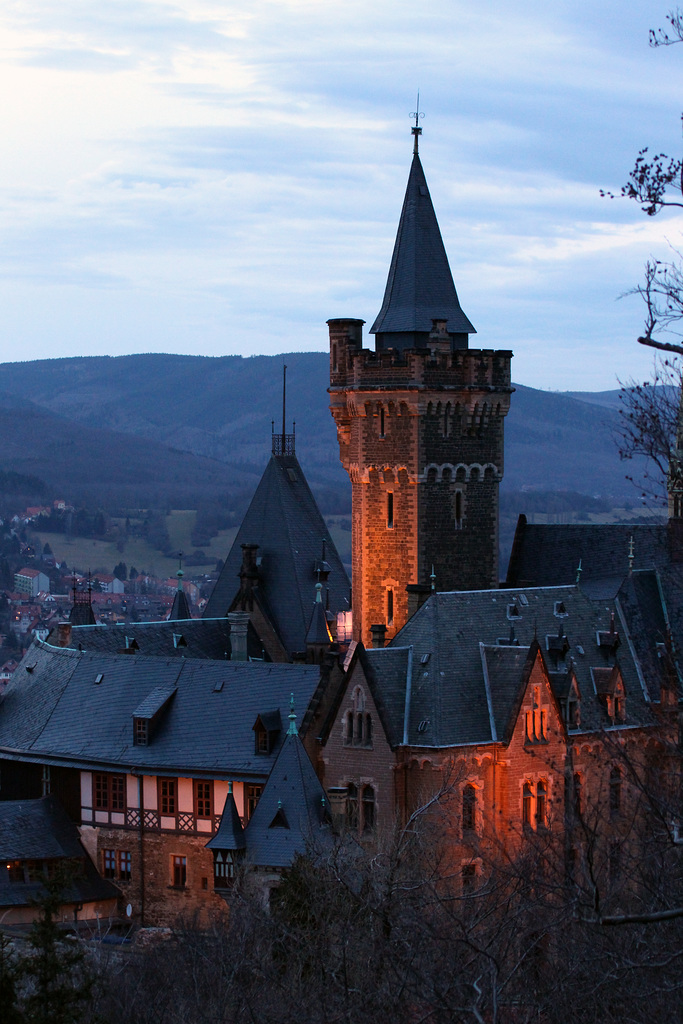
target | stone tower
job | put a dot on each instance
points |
(420, 429)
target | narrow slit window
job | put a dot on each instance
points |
(381, 423)
(390, 607)
(390, 510)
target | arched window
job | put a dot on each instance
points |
(615, 791)
(368, 808)
(348, 728)
(527, 797)
(351, 806)
(469, 808)
(381, 421)
(541, 804)
(368, 730)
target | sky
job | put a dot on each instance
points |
(222, 178)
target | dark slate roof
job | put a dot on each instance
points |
(318, 631)
(230, 834)
(37, 830)
(180, 608)
(420, 285)
(390, 668)
(285, 521)
(53, 711)
(82, 614)
(291, 811)
(191, 638)
(154, 702)
(546, 556)
(459, 688)
(41, 830)
(503, 672)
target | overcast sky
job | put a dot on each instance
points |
(219, 178)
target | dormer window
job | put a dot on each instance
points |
(266, 731)
(140, 732)
(560, 610)
(514, 612)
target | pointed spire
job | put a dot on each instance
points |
(420, 287)
(181, 606)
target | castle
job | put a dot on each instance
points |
(181, 750)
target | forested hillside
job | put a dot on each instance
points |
(178, 430)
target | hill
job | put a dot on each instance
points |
(178, 428)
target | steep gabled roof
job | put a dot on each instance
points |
(463, 691)
(291, 811)
(71, 708)
(420, 285)
(181, 607)
(230, 834)
(549, 555)
(285, 521)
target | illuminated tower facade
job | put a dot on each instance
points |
(420, 429)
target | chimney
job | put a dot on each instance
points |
(64, 634)
(379, 634)
(239, 622)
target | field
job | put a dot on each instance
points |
(85, 554)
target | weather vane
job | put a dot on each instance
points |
(417, 114)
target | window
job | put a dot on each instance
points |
(469, 808)
(46, 781)
(390, 510)
(109, 858)
(167, 796)
(348, 729)
(526, 804)
(178, 871)
(140, 732)
(368, 730)
(351, 806)
(125, 873)
(381, 422)
(390, 607)
(541, 804)
(109, 792)
(615, 791)
(262, 745)
(469, 877)
(202, 799)
(253, 795)
(614, 862)
(224, 869)
(368, 809)
(15, 869)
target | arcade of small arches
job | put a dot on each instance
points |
(447, 471)
(357, 721)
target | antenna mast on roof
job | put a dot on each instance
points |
(417, 114)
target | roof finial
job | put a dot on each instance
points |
(284, 400)
(433, 579)
(292, 731)
(180, 572)
(631, 555)
(579, 570)
(318, 593)
(416, 130)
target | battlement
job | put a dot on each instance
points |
(355, 368)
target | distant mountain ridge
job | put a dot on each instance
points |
(188, 424)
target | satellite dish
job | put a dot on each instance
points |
(129, 910)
